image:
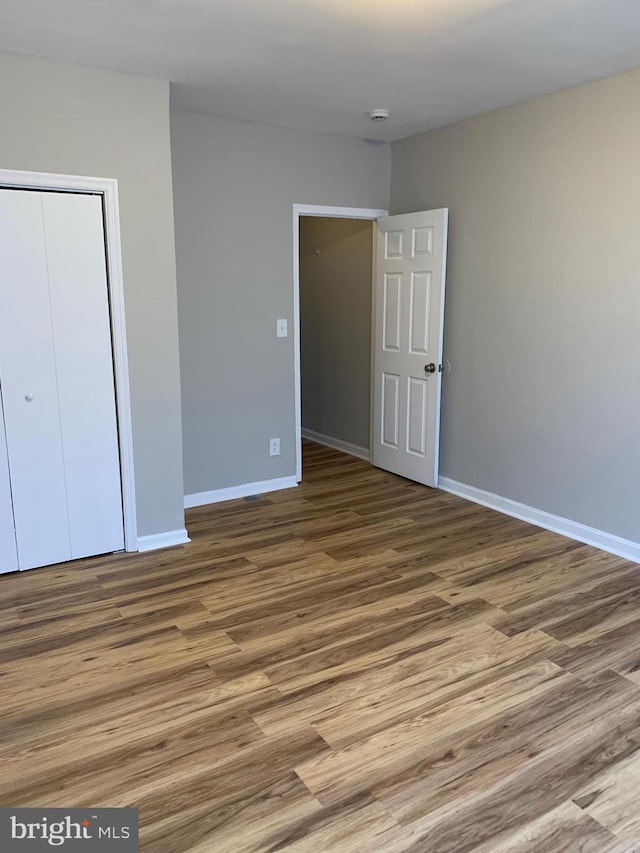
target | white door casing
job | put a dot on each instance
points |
(299, 210)
(57, 377)
(408, 339)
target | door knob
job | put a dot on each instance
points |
(430, 368)
(28, 397)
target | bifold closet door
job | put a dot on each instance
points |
(56, 375)
(8, 551)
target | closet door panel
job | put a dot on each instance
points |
(8, 550)
(29, 385)
(82, 339)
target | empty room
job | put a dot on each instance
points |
(320, 426)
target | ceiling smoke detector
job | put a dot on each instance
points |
(379, 115)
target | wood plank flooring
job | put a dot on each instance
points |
(358, 664)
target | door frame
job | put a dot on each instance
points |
(326, 213)
(107, 188)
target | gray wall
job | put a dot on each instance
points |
(543, 298)
(76, 120)
(234, 186)
(336, 259)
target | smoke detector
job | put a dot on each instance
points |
(379, 115)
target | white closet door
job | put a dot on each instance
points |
(8, 550)
(74, 239)
(57, 377)
(29, 385)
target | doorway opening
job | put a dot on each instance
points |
(334, 255)
(336, 261)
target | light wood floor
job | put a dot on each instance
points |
(359, 664)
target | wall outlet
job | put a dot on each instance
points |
(274, 447)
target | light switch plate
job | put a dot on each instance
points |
(281, 329)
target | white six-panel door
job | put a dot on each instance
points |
(409, 312)
(56, 378)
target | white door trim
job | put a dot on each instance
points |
(108, 189)
(327, 212)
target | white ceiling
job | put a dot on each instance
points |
(323, 64)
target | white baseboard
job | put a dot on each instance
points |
(163, 540)
(242, 491)
(337, 444)
(573, 529)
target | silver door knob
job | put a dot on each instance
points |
(430, 368)
(28, 397)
